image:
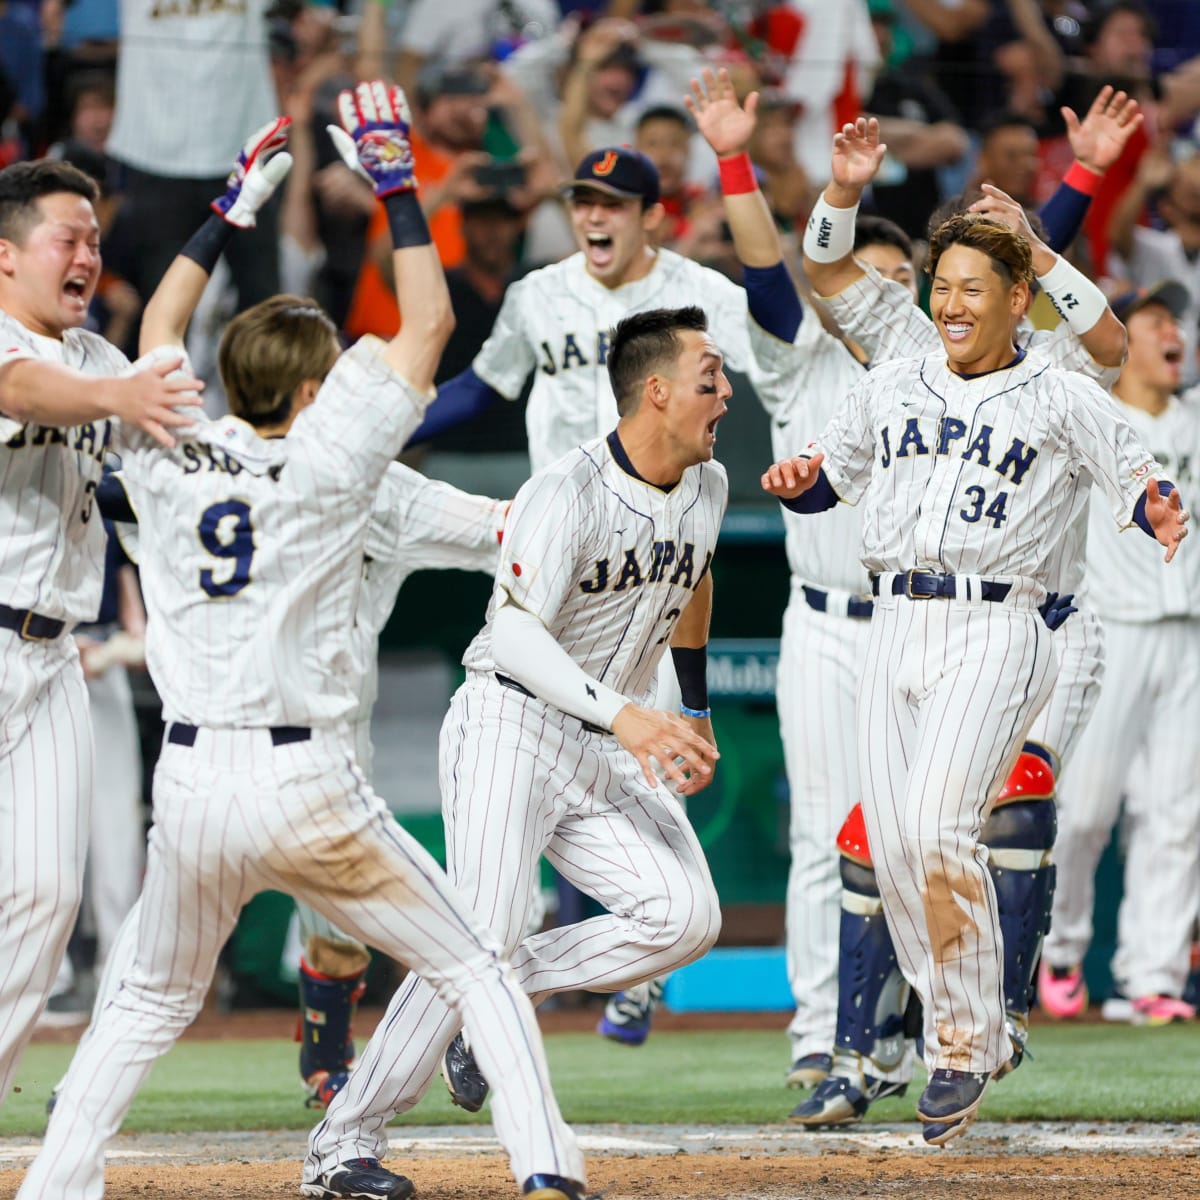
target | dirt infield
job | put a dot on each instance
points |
(999, 1162)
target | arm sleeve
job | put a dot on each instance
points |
(1165, 488)
(881, 316)
(1062, 216)
(525, 649)
(818, 498)
(505, 360)
(460, 399)
(773, 300)
(1107, 447)
(425, 524)
(113, 499)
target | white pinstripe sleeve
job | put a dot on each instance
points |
(848, 443)
(549, 526)
(1064, 349)
(505, 360)
(424, 524)
(1107, 447)
(881, 316)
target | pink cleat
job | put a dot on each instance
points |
(1161, 1010)
(1062, 991)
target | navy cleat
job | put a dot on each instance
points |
(464, 1080)
(359, 1179)
(628, 1014)
(554, 1187)
(838, 1100)
(809, 1070)
(949, 1103)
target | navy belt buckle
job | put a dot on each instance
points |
(26, 633)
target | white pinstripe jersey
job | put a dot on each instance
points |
(607, 561)
(879, 314)
(1126, 574)
(252, 552)
(558, 319)
(416, 524)
(51, 539)
(978, 476)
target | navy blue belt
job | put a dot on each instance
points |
(508, 682)
(281, 735)
(30, 626)
(857, 607)
(928, 585)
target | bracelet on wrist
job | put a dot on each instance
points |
(829, 234)
(1083, 179)
(702, 713)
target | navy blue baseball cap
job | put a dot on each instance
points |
(1171, 294)
(618, 171)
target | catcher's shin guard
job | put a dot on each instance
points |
(326, 1012)
(872, 993)
(1019, 836)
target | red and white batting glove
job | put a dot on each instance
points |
(261, 167)
(374, 138)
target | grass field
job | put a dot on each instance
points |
(1081, 1072)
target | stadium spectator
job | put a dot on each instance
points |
(1008, 156)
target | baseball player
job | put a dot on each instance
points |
(548, 746)
(58, 395)
(972, 463)
(881, 319)
(252, 537)
(826, 624)
(1152, 625)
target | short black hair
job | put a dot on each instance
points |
(23, 184)
(1093, 24)
(665, 112)
(643, 344)
(879, 231)
(1004, 118)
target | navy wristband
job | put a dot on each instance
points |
(406, 220)
(205, 245)
(691, 668)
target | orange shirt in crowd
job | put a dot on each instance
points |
(374, 309)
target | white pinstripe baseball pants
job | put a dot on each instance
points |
(46, 767)
(950, 692)
(821, 662)
(520, 779)
(234, 815)
(1153, 706)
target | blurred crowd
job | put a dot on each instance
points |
(508, 95)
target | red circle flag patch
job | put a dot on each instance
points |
(516, 568)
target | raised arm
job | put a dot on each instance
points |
(374, 141)
(260, 168)
(829, 260)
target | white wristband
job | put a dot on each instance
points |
(1075, 297)
(829, 235)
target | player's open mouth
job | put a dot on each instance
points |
(957, 331)
(712, 428)
(599, 249)
(1174, 356)
(76, 289)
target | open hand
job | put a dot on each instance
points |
(151, 398)
(261, 167)
(725, 124)
(373, 139)
(792, 477)
(1168, 518)
(1100, 138)
(857, 153)
(651, 735)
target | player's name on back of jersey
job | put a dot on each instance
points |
(628, 572)
(570, 355)
(85, 439)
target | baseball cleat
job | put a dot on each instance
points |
(359, 1179)
(1161, 1010)
(809, 1070)
(949, 1103)
(1016, 1025)
(628, 1014)
(464, 1080)
(553, 1187)
(323, 1086)
(837, 1100)
(1061, 991)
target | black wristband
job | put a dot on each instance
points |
(406, 220)
(691, 668)
(205, 245)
